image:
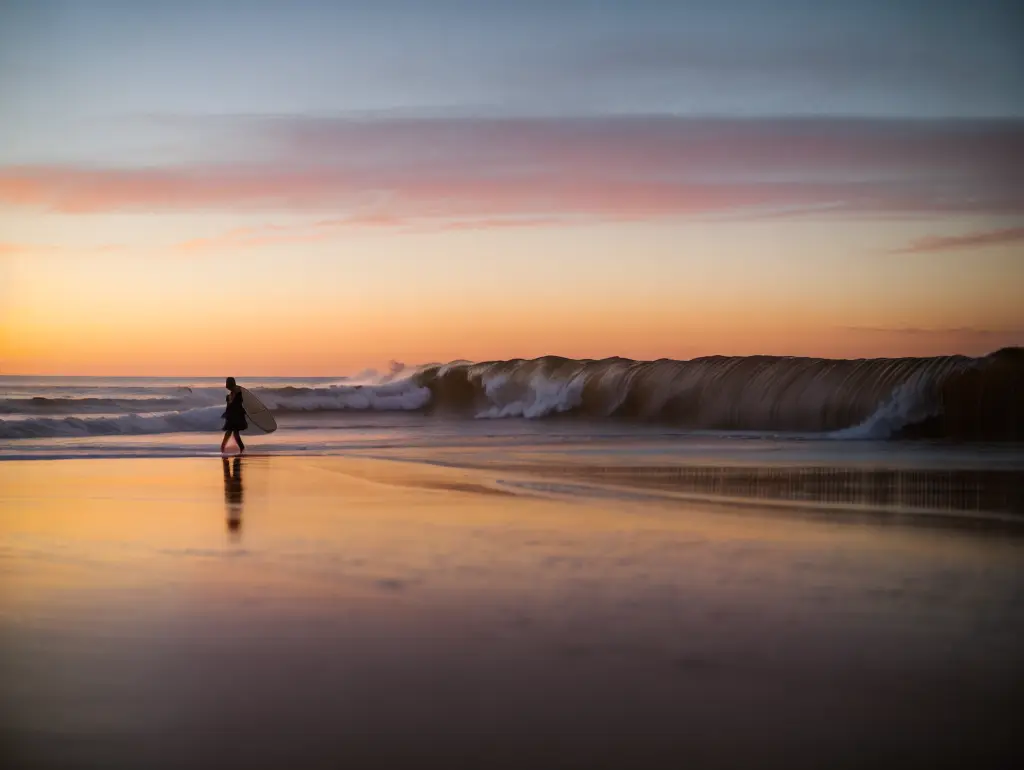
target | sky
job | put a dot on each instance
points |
(313, 188)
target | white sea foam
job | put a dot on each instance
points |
(906, 406)
(203, 419)
(541, 397)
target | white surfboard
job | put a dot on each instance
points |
(257, 413)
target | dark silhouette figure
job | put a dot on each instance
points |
(233, 493)
(234, 416)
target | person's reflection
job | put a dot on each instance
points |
(233, 494)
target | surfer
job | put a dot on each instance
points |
(234, 416)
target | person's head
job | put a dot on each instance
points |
(230, 384)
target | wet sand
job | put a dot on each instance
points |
(324, 612)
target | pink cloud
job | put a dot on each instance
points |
(270, 235)
(967, 240)
(646, 144)
(458, 174)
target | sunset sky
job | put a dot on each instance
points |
(317, 187)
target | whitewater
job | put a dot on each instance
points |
(730, 402)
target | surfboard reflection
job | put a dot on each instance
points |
(233, 494)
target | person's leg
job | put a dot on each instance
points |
(238, 440)
(224, 443)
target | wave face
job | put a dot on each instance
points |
(947, 396)
(953, 397)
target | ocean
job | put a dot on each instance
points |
(944, 415)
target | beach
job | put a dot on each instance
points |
(333, 611)
(531, 385)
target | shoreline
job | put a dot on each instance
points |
(994, 495)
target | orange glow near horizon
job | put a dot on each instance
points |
(325, 347)
(52, 326)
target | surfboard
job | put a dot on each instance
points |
(257, 413)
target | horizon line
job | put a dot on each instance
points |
(411, 367)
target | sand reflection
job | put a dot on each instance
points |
(233, 495)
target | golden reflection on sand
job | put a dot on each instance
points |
(348, 598)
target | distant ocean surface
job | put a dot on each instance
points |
(783, 408)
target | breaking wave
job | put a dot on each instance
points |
(940, 397)
(955, 397)
(206, 419)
